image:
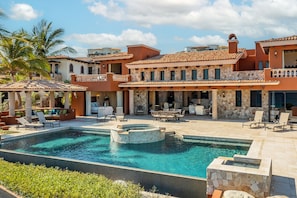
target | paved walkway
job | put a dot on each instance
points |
(281, 147)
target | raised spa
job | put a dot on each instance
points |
(137, 134)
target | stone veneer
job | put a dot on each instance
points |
(227, 107)
(226, 98)
(253, 180)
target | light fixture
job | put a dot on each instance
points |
(275, 53)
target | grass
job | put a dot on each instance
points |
(40, 181)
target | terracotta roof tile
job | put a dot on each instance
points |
(288, 38)
(212, 55)
(117, 56)
(40, 85)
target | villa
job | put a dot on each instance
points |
(224, 82)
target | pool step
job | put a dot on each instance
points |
(217, 141)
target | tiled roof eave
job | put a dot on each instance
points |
(224, 83)
(183, 63)
(278, 43)
(40, 85)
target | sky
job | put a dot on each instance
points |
(167, 25)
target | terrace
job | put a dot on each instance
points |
(280, 147)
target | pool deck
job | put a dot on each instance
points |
(281, 147)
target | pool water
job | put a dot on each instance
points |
(170, 156)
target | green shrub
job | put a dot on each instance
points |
(39, 181)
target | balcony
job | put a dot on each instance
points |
(284, 73)
(91, 78)
(100, 82)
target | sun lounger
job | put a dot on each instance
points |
(44, 121)
(26, 124)
(282, 123)
(256, 122)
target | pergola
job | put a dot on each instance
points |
(29, 86)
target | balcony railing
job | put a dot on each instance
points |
(102, 77)
(284, 73)
(245, 75)
(120, 78)
(91, 78)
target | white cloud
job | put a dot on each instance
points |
(209, 40)
(127, 37)
(246, 18)
(23, 12)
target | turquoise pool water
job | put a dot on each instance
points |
(170, 156)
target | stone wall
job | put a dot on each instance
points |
(227, 107)
(140, 101)
(254, 177)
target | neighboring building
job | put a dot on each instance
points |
(227, 82)
(103, 51)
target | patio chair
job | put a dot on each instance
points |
(256, 122)
(44, 121)
(22, 122)
(281, 123)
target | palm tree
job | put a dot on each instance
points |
(18, 60)
(46, 41)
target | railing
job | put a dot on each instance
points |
(284, 73)
(57, 77)
(245, 75)
(120, 78)
(91, 78)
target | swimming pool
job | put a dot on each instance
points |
(170, 156)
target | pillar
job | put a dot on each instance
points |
(66, 96)
(28, 104)
(215, 104)
(131, 102)
(52, 99)
(119, 98)
(88, 103)
(11, 98)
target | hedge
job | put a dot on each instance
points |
(39, 181)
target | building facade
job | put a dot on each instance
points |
(225, 82)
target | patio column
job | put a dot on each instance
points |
(11, 98)
(131, 102)
(52, 99)
(88, 103)
(214, 104)
(66, 104)
(28, 104)
(119, 98)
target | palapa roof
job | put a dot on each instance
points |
(41, 85)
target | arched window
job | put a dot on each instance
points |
(70, 67)
(82, 71)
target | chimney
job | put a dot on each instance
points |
(232, 43)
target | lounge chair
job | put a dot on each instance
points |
(281, 123)
(26, 124)
(256, 122)
(44, 121)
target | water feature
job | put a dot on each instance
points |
(137, 134)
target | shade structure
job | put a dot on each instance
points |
(40, 85)
(29, 86)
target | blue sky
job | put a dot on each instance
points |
(168, 25)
